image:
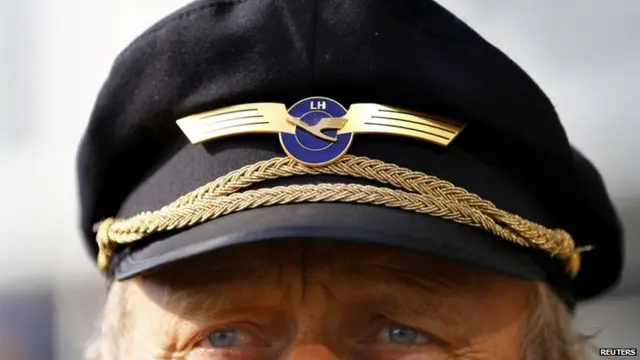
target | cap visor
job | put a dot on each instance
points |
(336, 221)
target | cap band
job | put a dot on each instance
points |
(414, 191)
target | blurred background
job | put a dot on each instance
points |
(54, 56)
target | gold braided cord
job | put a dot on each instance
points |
(416, 191)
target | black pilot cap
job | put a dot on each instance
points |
(393, 62)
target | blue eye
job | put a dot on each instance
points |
(404, 335)
(223, 338)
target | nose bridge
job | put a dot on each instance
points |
(306, 351)
(314, 312)
(318, 333)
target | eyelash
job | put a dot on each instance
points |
(383, 323)
(201, 338)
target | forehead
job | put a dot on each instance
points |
(277, 280)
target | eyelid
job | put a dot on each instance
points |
(428, 339)
(382, 322)
(251, 330)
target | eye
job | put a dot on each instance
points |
(403, 335)
(226, 338)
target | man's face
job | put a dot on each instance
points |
(325, 301)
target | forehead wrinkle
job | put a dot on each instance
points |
(399, 292)
(433, 279)
(404, 304)
(424, 279)
(194, 303)
(405, 298)
(408, 306)
(219, 288)
(233, 278)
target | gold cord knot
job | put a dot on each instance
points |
(572, 260)
(106, 246)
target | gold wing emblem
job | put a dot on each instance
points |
(236, 120)
(380, 119)
(360, 119)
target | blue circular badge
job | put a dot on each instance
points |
(316, 141)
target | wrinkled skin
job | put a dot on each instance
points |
(325, 301)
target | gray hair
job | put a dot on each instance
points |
(108, 341)
(550, 333)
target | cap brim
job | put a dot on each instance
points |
(193, 166)
(336, 221)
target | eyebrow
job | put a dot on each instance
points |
(182, 287)
(406, 302)
(192, 305)
(419, 278)
(413, 312)
(426, 293)
(427, 283)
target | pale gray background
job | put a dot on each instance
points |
(54, 55)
